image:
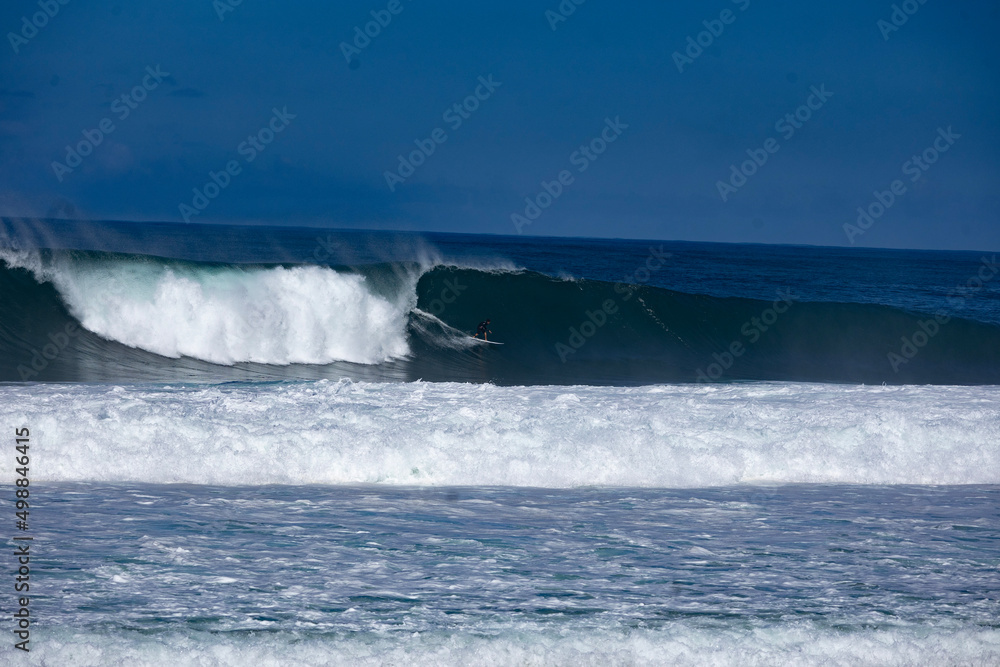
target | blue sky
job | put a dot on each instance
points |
(552, 92)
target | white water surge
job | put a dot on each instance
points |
(459, 434)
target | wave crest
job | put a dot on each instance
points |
(227, 314)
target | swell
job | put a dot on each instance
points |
(84, 316)
(582, 331)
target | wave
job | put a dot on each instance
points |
(800, 643)
(226, 314)
(145, 318)
(441, 434)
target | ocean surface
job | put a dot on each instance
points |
(261, 445)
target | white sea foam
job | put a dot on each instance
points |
(798, 644)
(460, 434)
(307, 314)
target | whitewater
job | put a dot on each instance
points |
(435, 434)
(228, 314)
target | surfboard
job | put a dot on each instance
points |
(490, 342)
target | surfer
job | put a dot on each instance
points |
(483, 328)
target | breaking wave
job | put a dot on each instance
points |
(144, 318)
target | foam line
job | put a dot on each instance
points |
(799, 644)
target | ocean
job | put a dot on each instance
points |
(280, 445)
